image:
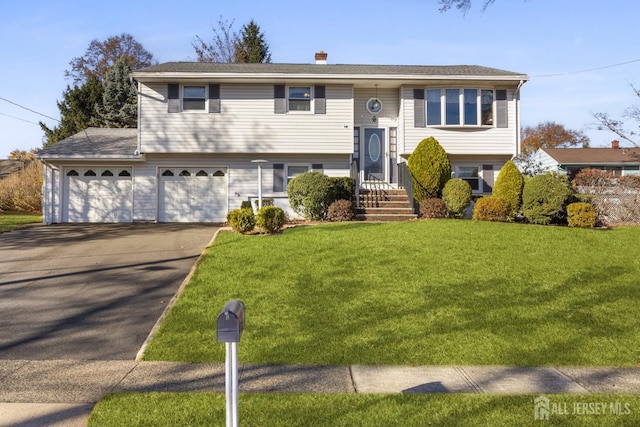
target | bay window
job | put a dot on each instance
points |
(459, 107)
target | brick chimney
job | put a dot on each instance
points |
(615, 144)
(321, 57)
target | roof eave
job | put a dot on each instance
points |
(165, 76)
(73, 157)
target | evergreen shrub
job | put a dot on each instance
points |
(241, 220)
(271, 219)
(544, 198)
(508, 187)
(343, 186)
(491, 208)
(341, 210)
(310, 194)
(456, 196)
(433, 208)
(582, 215)
(430, 169)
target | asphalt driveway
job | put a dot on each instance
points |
(90, 291)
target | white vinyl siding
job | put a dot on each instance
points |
(459, 140)
(246, 123)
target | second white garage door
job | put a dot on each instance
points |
(192, 195)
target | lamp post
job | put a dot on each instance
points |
(260, 163)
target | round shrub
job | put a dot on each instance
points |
(241, 220)
(582, 215)
(491, 208)
(456, 196)
(544, 198)
(430, 169)
(271, 219)
(433, 208)
(246, 204)
(310, 194)
(509, 186)
(341, 210)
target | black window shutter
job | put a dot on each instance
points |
(214, 98)
(419, 117)
(278, 177)
(319, 99)
(487, 178)
(502, 119)
(317, 167)
(280, 102)
(173, 95)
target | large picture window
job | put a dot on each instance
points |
(459, 107)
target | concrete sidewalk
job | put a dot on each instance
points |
(63, 392)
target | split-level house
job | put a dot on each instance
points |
(212, 135)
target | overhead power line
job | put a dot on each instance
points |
(586, 71)
(18, 118)
(28, 109)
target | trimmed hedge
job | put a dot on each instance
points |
(508, 187)
(310, 194)
(430, 169)
(456, 195)
(343, 186)
(241, 220)
(271, 219)
(433, 208)
(341, 210)
(582, 215)
(544, 198)
(491, 208)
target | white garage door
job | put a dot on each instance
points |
(192, 195)
(97, 195)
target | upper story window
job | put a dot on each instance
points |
(204, 98)
(459, 107)
(193, 98)
(300, 98)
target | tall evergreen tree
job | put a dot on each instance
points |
(251, 46)
(77, 110)
(119, 107)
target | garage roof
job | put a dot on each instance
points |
(96, 143)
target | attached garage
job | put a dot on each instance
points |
(188, 194)
(93, 194)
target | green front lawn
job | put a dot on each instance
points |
(11, 220)
(417, 293)
(208, 409)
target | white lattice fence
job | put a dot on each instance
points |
(615, 205)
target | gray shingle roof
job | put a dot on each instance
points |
(330, 69)
(95, 143)
(594, 156)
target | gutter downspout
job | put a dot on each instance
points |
(518, 130)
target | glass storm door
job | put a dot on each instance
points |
(374, 154)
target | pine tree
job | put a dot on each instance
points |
(251, 46)
(77, 110)
(119, 108)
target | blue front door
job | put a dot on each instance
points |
(374, 154)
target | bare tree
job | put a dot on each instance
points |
(223, 46)
(617, 126)
(463, 5)
(101, 55)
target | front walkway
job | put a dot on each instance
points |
(63, 392)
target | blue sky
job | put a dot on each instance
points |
(535, 37)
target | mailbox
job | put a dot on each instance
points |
(231, 322)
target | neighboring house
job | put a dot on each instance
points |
(202, 126)
(620, 161)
